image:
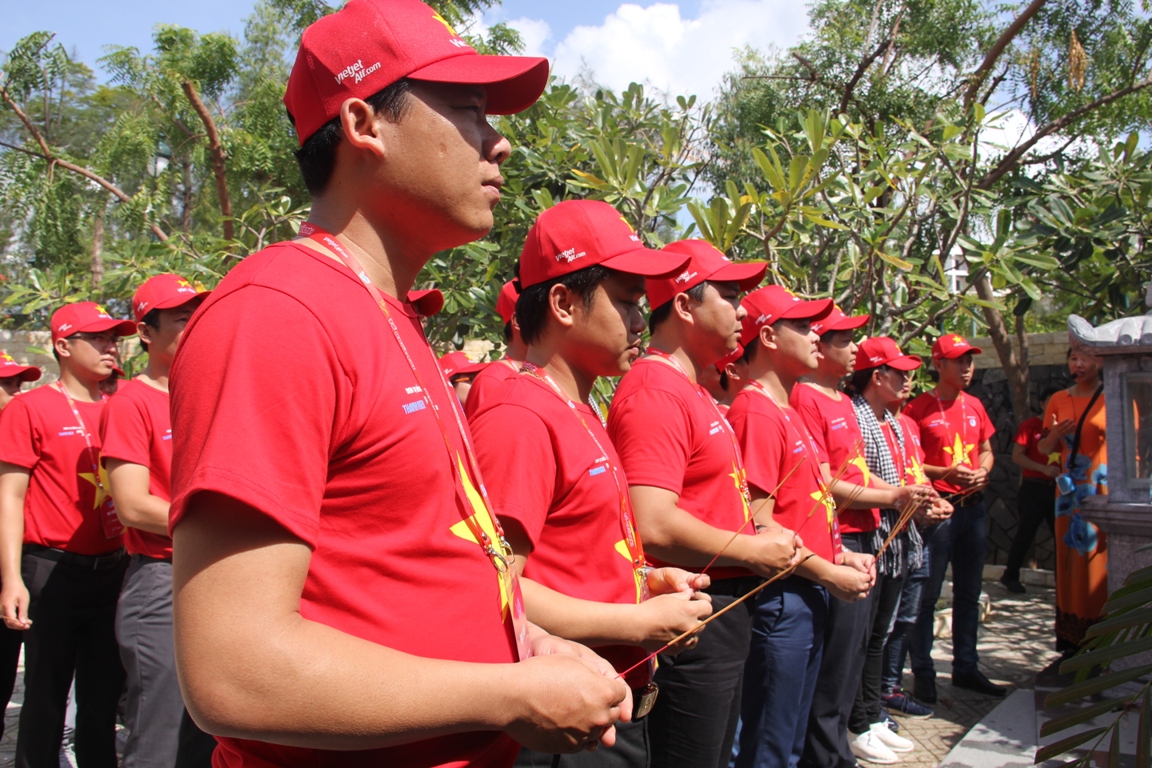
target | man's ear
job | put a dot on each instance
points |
(358, 122)
(682, 307)
(768, 336)
(61, 347)
(144, 331)
(562, 304)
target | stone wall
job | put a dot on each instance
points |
(1043, 349)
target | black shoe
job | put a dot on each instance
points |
(925, 689)
(976, 681)
(1013, 585)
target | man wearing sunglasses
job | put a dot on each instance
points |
(61, 555)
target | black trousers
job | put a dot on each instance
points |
(846, 632)
(10, 641)
(693, 724)
(885, 602)
(73, 613)
(630, 751)
(1035, 503)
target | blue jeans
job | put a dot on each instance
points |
(896, 650)
(780, 673)
(962, 540)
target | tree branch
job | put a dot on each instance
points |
(216, 152)
(1006, 37)
(865, 63)
(1012, 159)
(47, 154)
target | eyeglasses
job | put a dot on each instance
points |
(902, 375)
(97, 339)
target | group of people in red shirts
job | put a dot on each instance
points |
(725, 567)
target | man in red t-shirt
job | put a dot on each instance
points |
(956, 434)
(459, 369)
(136, 440)
(686, 483)
(788, 488)
(12, 377)
(341, 585)
(830, 418)
(61, 559)
(554, 474)
(1034, 498)
(488, 381)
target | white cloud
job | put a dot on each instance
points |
(658, 47)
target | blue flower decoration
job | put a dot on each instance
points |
(1079, 466)
(1082, 492)
(1081, 535)
(1064, 506)
(1100, 476)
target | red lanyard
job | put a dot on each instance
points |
(964, 459)
(503, 558)
(627, 521)
(108, 518)
(745, 495)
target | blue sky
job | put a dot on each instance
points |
(677, 46)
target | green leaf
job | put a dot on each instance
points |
(1131, 600)
(1067, 745)
(1094, 686)
(1144, 730)
(1123, 621)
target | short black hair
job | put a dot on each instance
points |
(152, 320)
(664, 311)
(508, 332)
(532, 305)
(317, 157)
(859, 379)
(724, 381)
(750, 349)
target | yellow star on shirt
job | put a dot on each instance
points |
(622, 548)
(958, 451)
(481, 515)
(740, 478)
(101, 485)
(1054, 458)
(824, 497)
(862, 465)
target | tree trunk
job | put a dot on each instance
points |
(1015, 370)
(98, 247)
(216, 152)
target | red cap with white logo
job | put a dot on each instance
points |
(951, 346)
(370, 44)
(87, 316)
(458, 364)
(838, 321)
(163, 292)
(731, 357)
(576, 234)
(506, 301)
(706, 262)
(773, 302)
(881, 350)
(427, 302)
(10, 368)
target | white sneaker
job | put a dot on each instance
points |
(868, 747)
(893, 741)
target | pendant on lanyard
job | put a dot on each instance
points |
(627, 521)
(741, 475)
(471, 496)
(109, 520)
(814, 462)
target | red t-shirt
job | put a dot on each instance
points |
(951, 431)
(136, 426)
(774, 440)
(544, 471)
(1029, 436)
(343, 453)
(670, 436)
(836, 435)
(487, 383)
(64, 505)
(914, 452)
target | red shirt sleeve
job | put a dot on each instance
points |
(518, 463)
(651, 431)
(762, 443)
(230, 380)
(19, 438)
(124, 432)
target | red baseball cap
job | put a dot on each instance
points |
(576, 234)
(838, 321)
(457, 363)
(951, 346)
(87, 316)
(163, 292)
(427, 302)
(731, 357)
(370, 44)
(705, 262)
(773, 302)
(10, 368)
(881, 350)
(506, 301)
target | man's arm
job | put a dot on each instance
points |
(1020, 459)
(245, 654)
(135, 505)
(13, 593)
(677, 536)
(876, 494)
(984, 462)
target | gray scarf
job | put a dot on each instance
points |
(907, 548)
